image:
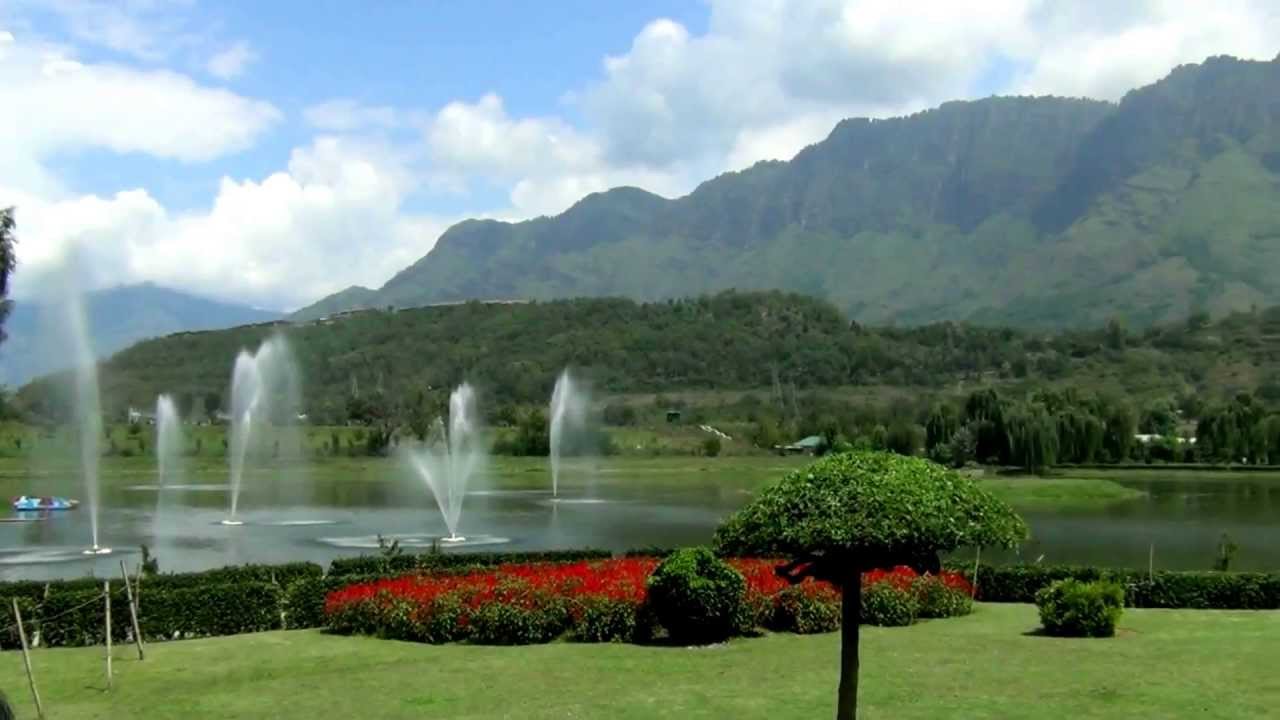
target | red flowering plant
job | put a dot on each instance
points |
(509, 604)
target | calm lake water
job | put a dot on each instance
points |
(327, 512)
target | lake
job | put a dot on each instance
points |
(338, 508)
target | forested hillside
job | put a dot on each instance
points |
(1035, 212)
(763, 342)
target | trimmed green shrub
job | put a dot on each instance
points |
(606, 620)
(532, 620)
(888, 605)
(373, 565)
(698, 597)
(1071, 608)
(806, 609)
(937, 600)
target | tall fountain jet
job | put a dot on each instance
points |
(261, 383)
(454, 456)
(86, 404)
(168, 441)
(568, 410)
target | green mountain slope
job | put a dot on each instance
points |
(1033, 211)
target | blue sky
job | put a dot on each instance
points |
(274, 152)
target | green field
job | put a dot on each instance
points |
(26, 473)
(1163, 664)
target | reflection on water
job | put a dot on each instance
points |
(1182, 517)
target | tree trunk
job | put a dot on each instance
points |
(851, 618)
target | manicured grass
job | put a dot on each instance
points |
(1164, 664)
(1037, 493)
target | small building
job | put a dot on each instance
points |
(673, 416)
(806, 446)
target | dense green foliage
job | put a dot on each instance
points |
(1032, 211)
(877, 507)
(1071, 608)
(698, 597)
(1160, 589)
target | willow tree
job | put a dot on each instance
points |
(850, 513)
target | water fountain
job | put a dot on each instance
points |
(86, 405)
(454, 454)
(168, 441)
(568, 410)
(261, 383)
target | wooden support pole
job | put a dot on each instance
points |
(1151, 563)
(106, 592)
(137, 589)
(977, 559)
(133, 609)
(26, 659)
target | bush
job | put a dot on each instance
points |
(1071, 608)
(937, 599)
(607, 620)
(698, 597)
(888, 605)
(711, 446)
(806, 609)
(521, 619)
(373, 565)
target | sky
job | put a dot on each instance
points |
(270, 153)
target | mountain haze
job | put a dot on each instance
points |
(118, 318)
(1032, 211)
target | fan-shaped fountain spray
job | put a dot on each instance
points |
(454, 454)
(259, 383)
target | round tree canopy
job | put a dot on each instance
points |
(876, 506)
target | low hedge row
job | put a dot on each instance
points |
(1162, 589)
(368, 565)
(284, 575)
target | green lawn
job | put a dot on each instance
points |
(1164, 664)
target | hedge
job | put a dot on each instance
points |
(367, 565)
(1163, 589)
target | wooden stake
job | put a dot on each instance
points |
(977, 558)
(1151, 563)
(26, 659)
(137, 589)
(133, 609)
(106, 592)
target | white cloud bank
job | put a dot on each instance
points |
(767, 78)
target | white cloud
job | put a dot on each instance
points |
(145, 29)
(55, 103)
(232, 62)
(333, 218)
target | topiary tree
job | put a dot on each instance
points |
(850, 513)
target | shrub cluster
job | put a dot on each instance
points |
(1072, 608)
(1162, 589)
(900, 596)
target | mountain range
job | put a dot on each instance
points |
(117, 318)
(1035, 212)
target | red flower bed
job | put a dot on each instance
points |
(593, 600)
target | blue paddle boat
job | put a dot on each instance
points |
(30, 502)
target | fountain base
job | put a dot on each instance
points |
(453, 539)
(233, 523)
(95, 550)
